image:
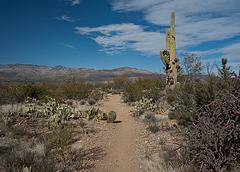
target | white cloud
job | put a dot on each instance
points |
(134, 5)
(64, 18)
(74, 2)
(69, 46)
(232, 52)
(115, 38)
(196, 21)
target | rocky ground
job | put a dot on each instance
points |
(121, 146)
(108, 147)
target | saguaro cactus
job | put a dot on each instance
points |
(168, 56)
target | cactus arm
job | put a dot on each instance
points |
(176, 59)
(163, 58)
(179, 68)
(161, 55)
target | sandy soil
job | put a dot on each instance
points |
(106, 147)
(121, 142)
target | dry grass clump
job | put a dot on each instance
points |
(31, 155)
(167, 160)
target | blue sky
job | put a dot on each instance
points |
(107, 34)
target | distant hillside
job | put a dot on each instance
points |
(35, 73)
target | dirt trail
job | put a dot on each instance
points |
(121, 143)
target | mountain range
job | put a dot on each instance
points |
(37, 73)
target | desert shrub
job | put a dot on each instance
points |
(82, 102)
(91, 102)
(191, 67)
(149, 118)
(97, 94)
(18, 92)
(142, 87)
(223, 72)
(116, 91)
(205, 91)
(31, 156)
(191, 98)
(75, 90)
(193, 92)
(182, 100)
(75, 87)
(6, 118)
(214, 138)
(59, 139)
(153, 127)
(33, 90)
(104, 86)
(167, 159)
(6, 96)
(120, 83)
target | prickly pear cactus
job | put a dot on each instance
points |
(145, 104)
(102, 116)
(57, 113)
(28, 111)
(92, 113)
(168, 56)
(7, 118)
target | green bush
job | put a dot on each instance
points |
(204, 92)
(120, 83)
(191, 98)
(59, 139)
(182, 100)
(72, 90)
(142, 87)
(19, 92)
(196, 90)
(97, 94)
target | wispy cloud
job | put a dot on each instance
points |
(69, 46)
(196, 21)
(231, 52)
(74, 2)
(115, 38)
(64, 18)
